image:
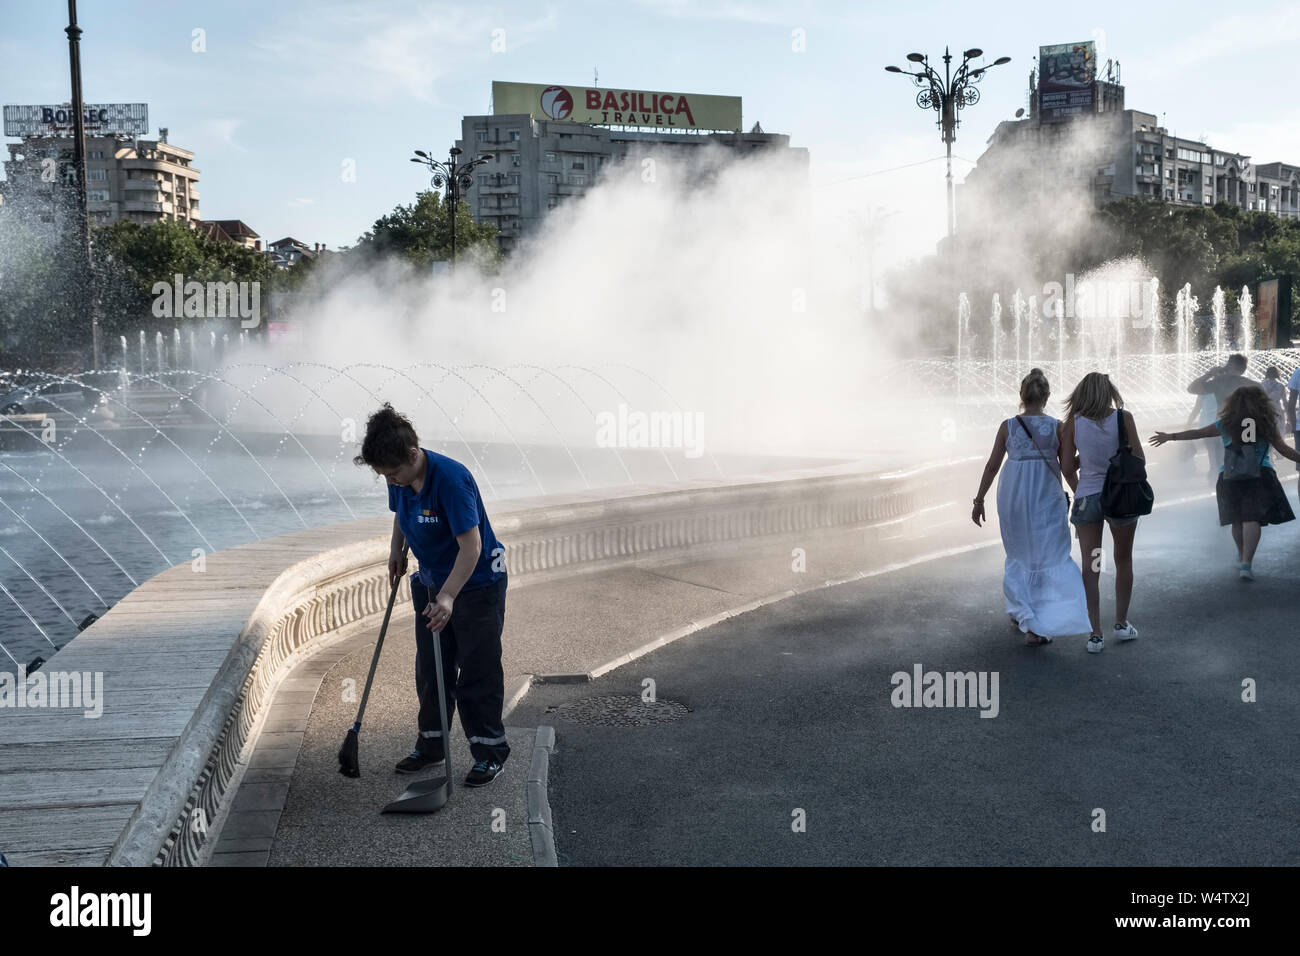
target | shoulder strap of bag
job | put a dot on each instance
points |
(1050, 464)
(1122, 428)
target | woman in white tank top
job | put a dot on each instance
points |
(1094, 414)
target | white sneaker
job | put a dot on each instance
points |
(1095, 644)
(1126, 632)
(1245, 573)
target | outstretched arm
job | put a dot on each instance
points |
(990, 472)
(1285, 450)
(1159, 438)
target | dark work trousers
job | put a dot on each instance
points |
(471, 670)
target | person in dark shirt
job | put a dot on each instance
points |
(1223, 380)
(459, 592)
(1220, 382)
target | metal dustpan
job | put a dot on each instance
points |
(426, 796)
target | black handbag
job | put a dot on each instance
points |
(1126, 493)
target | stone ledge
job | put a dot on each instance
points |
(290, 591)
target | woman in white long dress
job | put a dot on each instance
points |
(1042, 584)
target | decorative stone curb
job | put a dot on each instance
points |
(300, 611)
(541, 829)
(336, 577)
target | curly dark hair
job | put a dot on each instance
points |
(1250, 402)
(390, 436)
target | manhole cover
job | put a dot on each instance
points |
(615, 711)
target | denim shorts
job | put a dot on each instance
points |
(1087, 510)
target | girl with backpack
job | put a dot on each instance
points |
(1041, 584)
(1248, 491)
(1094, 417)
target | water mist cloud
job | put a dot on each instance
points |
(723, 280)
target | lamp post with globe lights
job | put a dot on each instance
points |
(947, 95)
(455, 177)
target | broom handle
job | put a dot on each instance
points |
(442, 706)
(374, 661)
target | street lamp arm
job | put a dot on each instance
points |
(947, 95)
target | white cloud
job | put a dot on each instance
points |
(350, 53)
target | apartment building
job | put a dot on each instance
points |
(139, 180)
(541, 161)
(1109, 152)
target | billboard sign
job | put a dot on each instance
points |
(102, 119)
(1273, 313)
(1067, 80)
(612, 107)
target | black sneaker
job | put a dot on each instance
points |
(417, 762)
(484, 772)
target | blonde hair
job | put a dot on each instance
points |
(1093, 397)
(1034, 389)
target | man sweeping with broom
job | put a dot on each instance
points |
(459, 592)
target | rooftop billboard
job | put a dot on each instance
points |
(1067, 74)
(102, 119)
(613, 107)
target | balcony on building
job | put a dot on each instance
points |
(153, 186)
(495, 185)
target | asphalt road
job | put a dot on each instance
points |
(791, 712)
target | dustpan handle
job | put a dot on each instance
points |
(443, 698)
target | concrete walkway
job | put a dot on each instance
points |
(572, 629)
(294, 808)
(791, 713)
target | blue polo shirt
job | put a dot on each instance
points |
(449, 504)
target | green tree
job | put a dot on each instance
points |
(132, 257)
(1205, 246)
(421, 234)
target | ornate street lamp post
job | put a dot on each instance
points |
(455, 177)
(946, 95)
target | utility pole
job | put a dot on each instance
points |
(85, 279)
(870, 226)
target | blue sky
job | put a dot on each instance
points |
(285, 93)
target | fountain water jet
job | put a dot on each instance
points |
(995, 319)
(1247, 340)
